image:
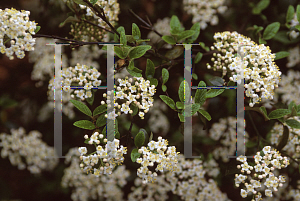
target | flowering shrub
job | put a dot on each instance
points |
(254, 45)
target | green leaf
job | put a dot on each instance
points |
(175, 25)
(123, 39)
(263, 4)
(298, 108)
(262, 41)
(195, 108)
(169, 101)
(293, 123)
(130, 39)
(195, 76)
(100, 109)
(175, 52)
(139, 139)
(297, 27)
(150, 70)
(290, 13)
(281, 54)
(205, 114)
(139, 51)
(181, 117)
(291, 105)
(136, 33)
(134, 73)
(90, 100)
(185, 34)
(284, 139)
(132, 67)
(263, 109)
(153, 81)
(87, 141)
(179, 105)
(258, 29)
(120, 29)
(271, 30)
(196, 28)
(165, 75)
(181, 91)
(251, 144)
(298, 12)
(146, 136)
(279, 113)
(119, 52)
(169, 39)
(134, 109)
(198, 57)
(134, 154)
(80, 2)
(117, 135)
(85, 124)
(200, 94)
(37, 29)
(217, 81)
(213, 93)
(82, 107)
(101, 121)
(93, 2)
(203, 46)
(164, 88)
(68, 20)
(151, 137)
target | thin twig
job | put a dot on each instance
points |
(148, 25)
(71, 42)
(102, 16)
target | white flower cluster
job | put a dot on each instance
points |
(135, 90)
(86, 32)
(204, 12)
(266, 162)
(188, 181)
(19, 146)
(293, 145)
(103, 160)
(158, 122)
(225, 132)
(88, 186)
(289, 87)
(16, 28)
(163, 27)
(293, 58)
(43, 59)
(155, 152)
(294, 22)
(261, 74)
(81, 76)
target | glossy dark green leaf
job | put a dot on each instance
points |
(139, 139)
(169, 39)
(213, 93)
(198, 57)
(150, 70)
(271, 30)
(205, 114)
(85, 124)
(281, 55)
(290, 13)
(135, 154)
(293, 123)
(139, 51)
(279, 113)
(100, 109)
(101, 121)
(165, 75)
(136, 33)
(169, 101)
(82, 107)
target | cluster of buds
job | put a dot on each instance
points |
(266, 162)
(261, 74)
(86, 32)
(16, 28)
(104, 159)
(137, 91)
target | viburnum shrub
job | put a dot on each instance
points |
(145, 113)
